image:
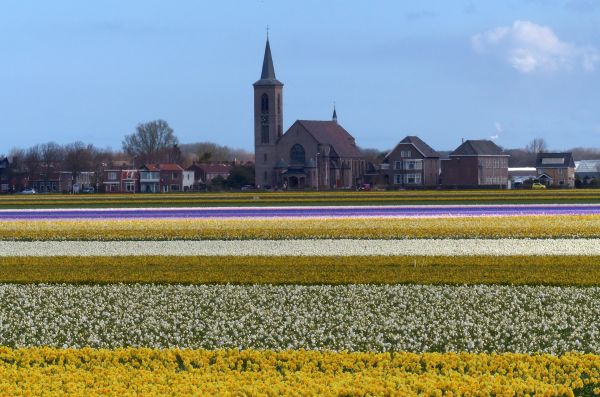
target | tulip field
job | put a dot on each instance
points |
(485, 299)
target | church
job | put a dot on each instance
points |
(311, 154)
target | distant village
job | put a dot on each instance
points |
(310, 155)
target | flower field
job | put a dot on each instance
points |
(445, 303)
(259, 199)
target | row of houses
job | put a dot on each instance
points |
(164, 177)
(118, 177)
(476, 164)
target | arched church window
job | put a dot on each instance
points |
(264, 103)
(278, 103)
(297, 155)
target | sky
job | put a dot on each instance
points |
(506, 70)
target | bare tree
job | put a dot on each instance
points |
(78, 157)
(151, 142)
(537, 145)
(51, 155)
(32, 161)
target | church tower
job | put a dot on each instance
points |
(268, 121)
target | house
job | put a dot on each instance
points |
(111, 181)
(47, 182)
(75, 183)
(171, 177)
(149, 179)
(130, 181)
(204, 173)
(187, 182)
(476, 164)
(412, 163)
(556, 169)
(587, 171)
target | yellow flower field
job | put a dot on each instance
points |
(576, 226)
(299, 198)
(531, 270)
(123, 372)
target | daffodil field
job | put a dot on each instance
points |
(473, 300)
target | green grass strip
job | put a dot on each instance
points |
(559, 271)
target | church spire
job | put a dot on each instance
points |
(267, 77)
(268, 71)
(334, 117)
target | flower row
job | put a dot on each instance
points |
(349, 317)
(348, 247)
(528, 270)
(199, 372)
(580, 226)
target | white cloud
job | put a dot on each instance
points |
(529, 47)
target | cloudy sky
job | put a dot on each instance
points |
(444, 70)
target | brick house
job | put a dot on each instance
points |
(121, 181)
(204, 173)
(171, 177)
(412, 163)
(476, 163)
(556, 169)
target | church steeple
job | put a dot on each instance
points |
(268, 121)
(267, 77)
(268, 71)
(334, 117)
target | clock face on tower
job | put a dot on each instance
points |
(264, 119)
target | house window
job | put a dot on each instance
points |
(405, 153)
(264, 103)
(413, 165)
(264, 134)
(297, 155)
(266, 177)
(398, 179)
(412, 179)
(112, 176)
(398, 165)
(175, 175)
(265, 158)
(174, 188)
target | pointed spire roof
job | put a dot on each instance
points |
(267, 77)
(334, 117)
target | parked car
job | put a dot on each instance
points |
(248, 187)
(537, 185)
(87, 190)
(28, 190)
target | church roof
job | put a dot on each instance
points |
(267, 77)
(331, 133)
